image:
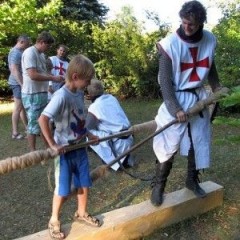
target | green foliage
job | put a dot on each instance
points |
(22, 16)
(127, 59)
(227, 121)
(228, 50)
(229, 101)
(233, 99)
(4, 88)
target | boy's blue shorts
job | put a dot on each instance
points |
(71, 171)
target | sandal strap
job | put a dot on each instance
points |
(55, 230)
(88, 218)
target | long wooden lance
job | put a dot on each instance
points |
(29, 159)
(149, 126)
(32, 158)
(198, 107)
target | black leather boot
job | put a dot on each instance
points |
(192, 181)
(159, 182)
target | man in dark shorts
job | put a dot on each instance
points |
(15, 83)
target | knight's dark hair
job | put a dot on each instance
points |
(195, 10)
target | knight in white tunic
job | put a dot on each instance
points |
(59, 68)
(106, 117)
(186, 62)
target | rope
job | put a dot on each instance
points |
(134, 175)
(29, 159)
(102, 170)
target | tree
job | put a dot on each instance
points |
(127, 59)
(22, 16)
(228, 50)
(32, 16)
(87, 10)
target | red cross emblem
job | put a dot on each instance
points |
(61, 69)
(194, 65)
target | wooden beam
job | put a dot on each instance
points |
(135, 221)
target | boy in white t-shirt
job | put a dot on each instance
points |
(67, 109)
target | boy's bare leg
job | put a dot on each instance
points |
(54, 223)
(82, 214)
(56, 207)
(82, 198)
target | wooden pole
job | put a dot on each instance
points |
(198, 107)
(151, 126)
(33, 158)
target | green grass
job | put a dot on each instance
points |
(25, 201)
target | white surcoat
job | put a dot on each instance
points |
(191, 63)
(59, 66)
(112, 119)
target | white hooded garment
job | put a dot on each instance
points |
(112, 119)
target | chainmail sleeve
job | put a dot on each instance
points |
(213, 78)
(165, 80)
(91, 122)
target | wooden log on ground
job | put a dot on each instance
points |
(136, 221)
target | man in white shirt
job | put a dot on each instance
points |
(35, 83)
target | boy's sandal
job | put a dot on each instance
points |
(88, 219)
(55, 231)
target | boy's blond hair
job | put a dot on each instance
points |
(81, 65)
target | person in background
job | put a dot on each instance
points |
(66, 107)
(60, 65)
(35, 83)
(15, 82)
(186, 61)
(105, 117)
